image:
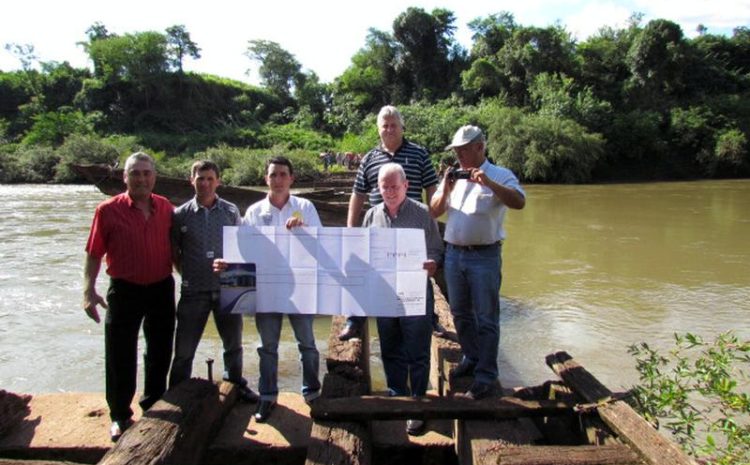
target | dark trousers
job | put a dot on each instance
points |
(405, 350)
(129, 306)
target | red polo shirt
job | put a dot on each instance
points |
(137, 250)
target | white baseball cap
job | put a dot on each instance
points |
(465, 135)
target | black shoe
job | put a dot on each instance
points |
(312, 397)
(414, 427)
(479, 391)
(465, 368)
(119, 427)
(350, 332)
(245, 394)
(264, 410)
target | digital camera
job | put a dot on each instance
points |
(456, 174)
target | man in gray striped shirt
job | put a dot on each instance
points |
(197, 239)
(393, 148)
(405, 341)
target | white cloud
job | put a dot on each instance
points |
(719, 16)
(595, 15)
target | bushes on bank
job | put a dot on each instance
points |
(247, 167)
(698, 392)
(541, 148)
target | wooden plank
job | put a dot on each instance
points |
(349, 358)
(178, 428)
(445, 353)
(631, 428)
(432, 407)
(13, 409)
(343, 443)
(478, 441)
(35, 462)
(578, 378)
(563, 455)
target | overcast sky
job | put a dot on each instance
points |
(323, 34)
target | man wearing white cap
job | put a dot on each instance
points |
(476, 197)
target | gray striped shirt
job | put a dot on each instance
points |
(197, 233)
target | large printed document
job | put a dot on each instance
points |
(324, 271)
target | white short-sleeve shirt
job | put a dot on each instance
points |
(262, 213)
(475, 214)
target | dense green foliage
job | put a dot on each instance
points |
(641, 102)
(699, 392)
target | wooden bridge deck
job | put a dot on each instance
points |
(201, 423)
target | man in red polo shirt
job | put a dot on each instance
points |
(132, 231)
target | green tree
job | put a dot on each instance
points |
(603, 66)
(98, 31)
(729, 156)
(430, 59)
(24, 53)
(53, 127)
(279, 69)
(557, 95)
(484, 77)
(179, 46)
(525, 53)
(61, 83)
(491, 33)
(95, 32)
(657, 60)
(138, 58)
(369, 82)
(313, 98)
(692, 132)
(532, 51)
(541, 148)
(433, 124)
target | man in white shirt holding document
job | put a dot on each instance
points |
(280, 208)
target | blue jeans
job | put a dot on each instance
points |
(269, 329)
(192, 315)
(405, 350)
(473, 278)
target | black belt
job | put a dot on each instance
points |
(473, 247)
